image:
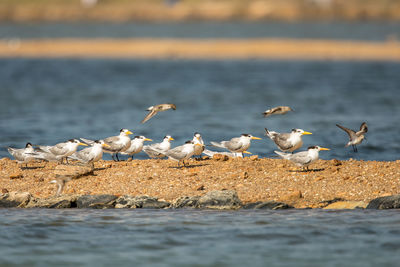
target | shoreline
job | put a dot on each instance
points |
(219, 49)
(254, 180)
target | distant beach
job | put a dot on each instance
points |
(202, 49)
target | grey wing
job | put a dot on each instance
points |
(233, 144)
(156, 146)
(176, 153)
(59, 149)
(149, 116)
(282, 141)
(301, 158)
(87, 141)
(350, 132)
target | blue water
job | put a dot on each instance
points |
(199, 238)
(45, 101)
(367, 31)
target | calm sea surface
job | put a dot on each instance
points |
(45, 101)
(199, 238)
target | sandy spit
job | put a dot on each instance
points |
(254, 179)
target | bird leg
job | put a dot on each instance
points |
(116, 154)
(355, 148)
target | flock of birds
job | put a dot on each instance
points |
(123, 144)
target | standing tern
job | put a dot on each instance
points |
(91, 154)
(158, 150)
(355, 137)
(197, 139)
(23, 155)
(287, 142)
(277, 110)
(180, 153)
(136, 145)
(237, 144)
(118, 143)
(155, 109)
(304, 158)
(60, 151)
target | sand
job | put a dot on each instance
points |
(287, 49)
(254, 179)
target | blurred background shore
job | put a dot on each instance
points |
(195, 10)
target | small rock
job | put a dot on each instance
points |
(220, 157)
(144, 202)
(244, 175)
(347, 205)
(15, 199)
(226, 199)
(95, 201)
(271, 205)
(185, 202)
(59, 202)
(295, 195)
(389, 202)
(205, 157)
(4, 191)
(254, 157)
(200, 188)
(16, 175)
(336, 162)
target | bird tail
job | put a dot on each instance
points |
(217, 144)
(281, 154)
(87, 141)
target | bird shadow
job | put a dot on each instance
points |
(188, 167)
(309, 170)
(32, 167)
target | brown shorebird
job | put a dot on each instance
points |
(277, 110)
(355, 137)
(155, 109)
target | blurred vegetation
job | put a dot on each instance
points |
(183, 10)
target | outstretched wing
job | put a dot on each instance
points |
(364, 127)
(151, 114)
(350, 132)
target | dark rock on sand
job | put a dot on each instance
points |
(140, 202)
(269, 205)
(15, 199)
(96, 201)
(60, 202)
(381, 203)
(186, 202)
(225, 199)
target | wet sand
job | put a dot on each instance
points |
(290, 49)
(254, 179)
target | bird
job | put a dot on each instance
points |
(303, 158)
(91, 154)
(197, 139)
(136, 145)
(60, 182)
(117, 144)
(157, 108)
(180, 153)
(355, 137)
(60, 151)
(277, 110)
(237, 144)
(157, 150)
(287, 142)
(23, 155)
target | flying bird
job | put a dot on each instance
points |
(277, 110)
(287, 142)
(304, 158)
(355, 137)
(155, 109)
